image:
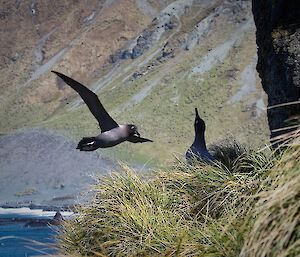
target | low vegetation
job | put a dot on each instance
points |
(245, 205)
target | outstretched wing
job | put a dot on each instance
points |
(136, 139)
(92, 101)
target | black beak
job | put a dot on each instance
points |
(196, 111)
(136, 133)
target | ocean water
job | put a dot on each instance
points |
(17, 240)
(20, 241)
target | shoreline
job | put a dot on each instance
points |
(32, 206)
(31, 218)
(26, 211)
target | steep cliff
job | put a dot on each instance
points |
(278, 40)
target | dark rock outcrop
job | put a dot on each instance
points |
(55, 221)
(151, 35)
(278, 40)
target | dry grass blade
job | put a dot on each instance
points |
(283, 104)
(276, 231)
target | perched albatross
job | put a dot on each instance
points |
(198, 150)
(111, 132)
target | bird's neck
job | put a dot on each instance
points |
(200, 140)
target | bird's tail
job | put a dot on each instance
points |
(87, 144)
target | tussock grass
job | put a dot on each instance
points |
(276, 231)
(128, 217)
(247, 205)
(225, 184)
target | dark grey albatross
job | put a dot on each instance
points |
(111, 132)
(198, 150)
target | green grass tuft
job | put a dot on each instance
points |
(245, 205)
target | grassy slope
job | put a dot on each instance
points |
(171, 124)
(166, 113)
(248, 208)
(89, 46)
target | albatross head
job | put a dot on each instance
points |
(133, 131)
(199, 123)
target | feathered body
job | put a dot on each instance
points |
(111, 132)
(198, 150)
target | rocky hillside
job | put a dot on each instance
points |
(71, 36)
(150, 62)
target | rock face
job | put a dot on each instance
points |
(161, 24)
(278, 40)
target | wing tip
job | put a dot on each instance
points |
(57, 73)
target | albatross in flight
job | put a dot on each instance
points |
(111, 132)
